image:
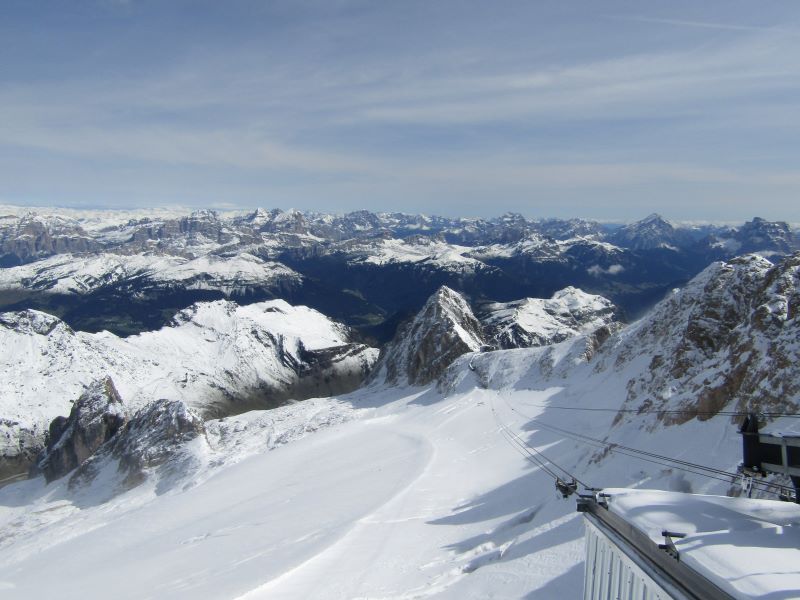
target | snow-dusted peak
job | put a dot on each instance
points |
(32, 322)
(654, 219)
(539, 322)
(729, 338)
(443, 330)
(290, 221)
(260, 217)
(651, 232)
(760, 235)
(204, 214)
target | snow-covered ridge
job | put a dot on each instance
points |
(419, 250)
(728, 340)
(444, 329)
(218, 357)
(81, 274)
(541, 322)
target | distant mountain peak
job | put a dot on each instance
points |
(541, 322)
(442, 331)
(651, 232)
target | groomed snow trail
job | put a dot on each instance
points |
(248, 524)
(422, 496)
(433, 536)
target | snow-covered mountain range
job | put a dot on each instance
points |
(217, 357)
(257, 449)
(380, 472)
(539, 322)
(369, 270)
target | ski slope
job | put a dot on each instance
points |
(408, 500)
(406, 494)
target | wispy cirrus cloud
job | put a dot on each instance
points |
(696, 24)
(345, 101)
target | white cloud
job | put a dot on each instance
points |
(598, 271)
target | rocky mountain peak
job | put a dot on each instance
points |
(651, 232)
(95, 417)
(729, 338)
(760, 235)
(443, 330)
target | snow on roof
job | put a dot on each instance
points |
(749, 548)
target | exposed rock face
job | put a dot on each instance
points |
(442, 331)
(538, 322)
(154, 435)
(33, 236)
(730, 338)
(19, 445)
(760, 235)
(649, 233)
(96, 416)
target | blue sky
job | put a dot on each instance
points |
(609, 110)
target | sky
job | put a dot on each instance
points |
(607, 110)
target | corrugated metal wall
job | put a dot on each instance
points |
(613, 575)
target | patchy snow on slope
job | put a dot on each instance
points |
(420, 251)
(80, 274)
(539, 322)
(216, 356)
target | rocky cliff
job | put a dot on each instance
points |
(443, 330)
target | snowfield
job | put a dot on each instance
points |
(395, 503)
(443, 491)
(385, 493)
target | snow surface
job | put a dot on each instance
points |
(748, 548)
(431, 252)
(385, 493)
(407, 492)
(212, 352)
(73, 274)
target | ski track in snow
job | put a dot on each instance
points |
(263, 515)
(416, 498)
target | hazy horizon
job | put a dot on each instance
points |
(89, 212)
(607, 111)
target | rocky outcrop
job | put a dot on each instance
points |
(153, 436)
(20, 444)
(95, 418)
(442, 331)
(729, 339)
(153, 441)
(31, 237)
(534, 322)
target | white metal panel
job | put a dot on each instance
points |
(610, 574)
